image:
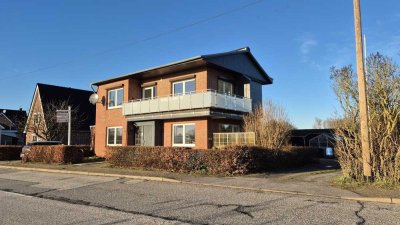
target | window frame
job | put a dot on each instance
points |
(36, 118)
(153, 92)
(34, 136)
(224, 82)
(115, 136)
(184, 135)
(183, 86)
(233, 126)
(115, 98)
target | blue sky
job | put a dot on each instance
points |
(75, 42)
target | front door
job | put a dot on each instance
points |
(144, 135)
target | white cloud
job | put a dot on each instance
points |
(307, 45)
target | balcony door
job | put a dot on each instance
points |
(225, 87)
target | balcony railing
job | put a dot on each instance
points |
(195, 100)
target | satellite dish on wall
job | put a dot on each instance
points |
(93, 98)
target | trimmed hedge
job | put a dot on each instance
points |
(87, 151)
(10, 152)
(54, 154)
(228, 160)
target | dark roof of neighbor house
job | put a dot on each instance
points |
(14, 116)
(307, 132)
(75, 97)
(240, 61)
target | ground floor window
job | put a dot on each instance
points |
(114, 136)
(183, 135)
(228, 128)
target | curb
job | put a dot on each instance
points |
(169, 180)
(148, 178)
(360, 199)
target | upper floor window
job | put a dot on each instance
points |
(225, 87)
(184, 87)
(149, 92)
(36, 118)
(115, 98)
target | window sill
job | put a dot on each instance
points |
(115, 107)
(184, 145)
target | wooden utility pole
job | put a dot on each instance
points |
(366, 155)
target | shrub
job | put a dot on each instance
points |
(228, 160)
(383, 85)
(87, 151)
(10, 152)
(270, 124)
(54, 154)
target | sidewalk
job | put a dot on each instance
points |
(314, 180)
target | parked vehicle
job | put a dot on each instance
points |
(27, 148)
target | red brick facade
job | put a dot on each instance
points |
(205, 78)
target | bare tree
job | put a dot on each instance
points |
(318, 123)
(45, 125)
(270, 124)
(328, 123)
(383, 93)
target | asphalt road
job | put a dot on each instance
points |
(48, 198)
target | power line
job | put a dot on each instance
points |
(207, 19)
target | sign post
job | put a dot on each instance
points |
(64, 116)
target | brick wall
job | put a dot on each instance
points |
(37, 108)
(110, 117)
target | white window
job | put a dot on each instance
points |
(36, 118)
(225, 87)
(184, 87)
(183, 135)
(228, 128)
(115, 98)
(149, 92)
(114, 136)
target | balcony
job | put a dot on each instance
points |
(195, 100)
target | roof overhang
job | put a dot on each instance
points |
(160, 70)
(189, 63)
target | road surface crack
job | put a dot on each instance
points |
(87, 203)
(241, 209)
(238, 208)
(361, 219)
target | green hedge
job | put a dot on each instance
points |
(228, 160)
(10, 152)
(54, 154)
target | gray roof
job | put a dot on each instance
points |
(239, 60)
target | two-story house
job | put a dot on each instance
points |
(41, 122)
(179, 104)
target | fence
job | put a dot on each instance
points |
(237, 138)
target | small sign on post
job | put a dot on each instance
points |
(64, 116)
